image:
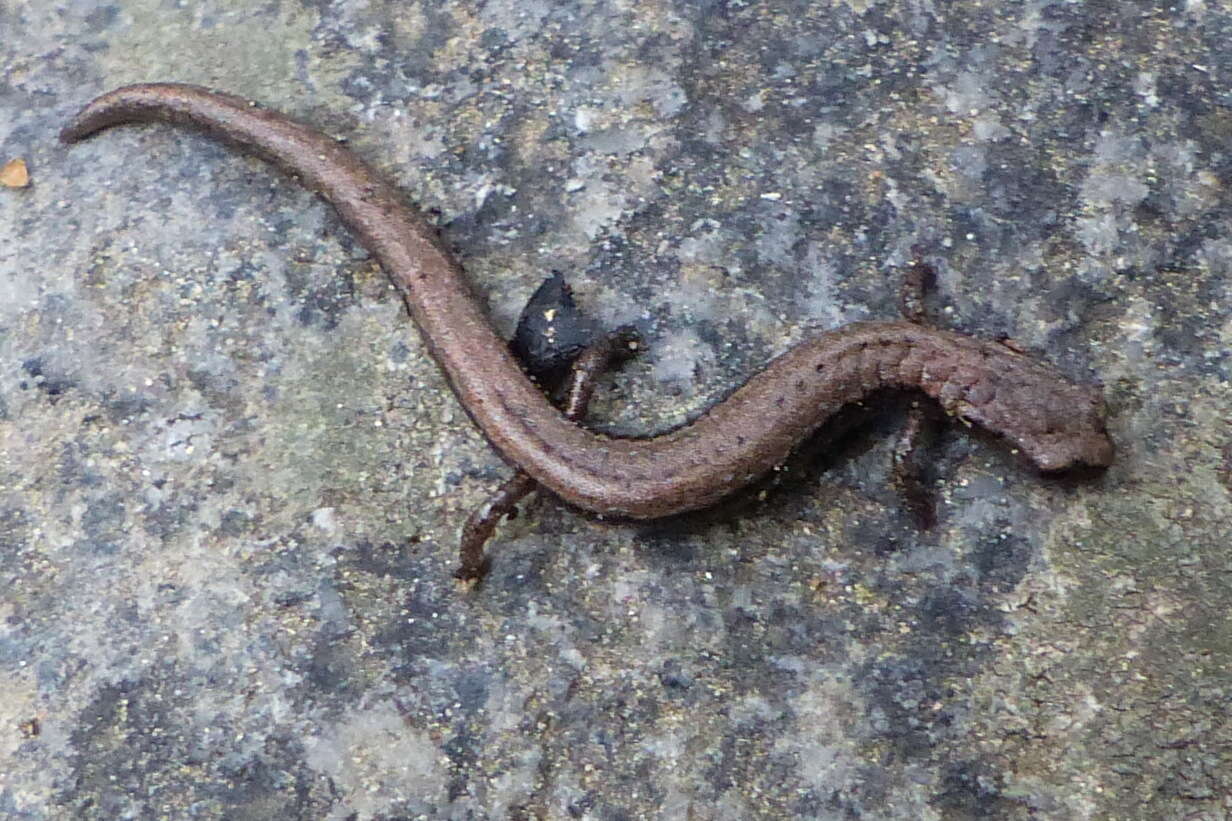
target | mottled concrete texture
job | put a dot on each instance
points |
(231, 479)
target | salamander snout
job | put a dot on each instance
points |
(1074, 433)
(1057, 424)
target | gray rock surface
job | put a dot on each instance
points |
(231, 479)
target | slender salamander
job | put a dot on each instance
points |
(1057, 424)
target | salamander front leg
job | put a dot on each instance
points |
(910, 469)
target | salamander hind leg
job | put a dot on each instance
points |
(538, 344)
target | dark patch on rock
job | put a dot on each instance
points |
(1001, 561)
(971, 791)
(51, 384)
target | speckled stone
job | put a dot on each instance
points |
(231, 479)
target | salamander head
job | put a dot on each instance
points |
(1056, 424)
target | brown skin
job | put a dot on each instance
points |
(578, 389)
(1058, 425)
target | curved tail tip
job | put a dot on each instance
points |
(72, 132)
(82, 125)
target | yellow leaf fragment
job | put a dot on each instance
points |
(14, 174)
